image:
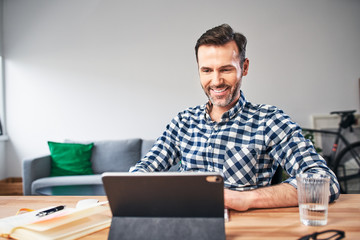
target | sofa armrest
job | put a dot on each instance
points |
(33, 169)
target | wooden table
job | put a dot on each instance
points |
(278, 223)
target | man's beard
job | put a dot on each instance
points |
(228, 99)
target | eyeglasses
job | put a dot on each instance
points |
(325, 235)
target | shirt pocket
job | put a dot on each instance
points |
(240, 166)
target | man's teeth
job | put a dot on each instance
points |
(219, 91)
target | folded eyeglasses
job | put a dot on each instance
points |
(325, 235)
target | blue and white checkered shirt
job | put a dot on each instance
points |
(246, 147)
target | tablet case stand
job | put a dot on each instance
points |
(148, 228)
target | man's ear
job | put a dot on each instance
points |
(245, 67)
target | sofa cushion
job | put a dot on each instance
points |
(146, 146)
(115, 155)
(64, 181)
(70, 158)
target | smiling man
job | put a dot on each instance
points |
(244, 142)
(221, 74)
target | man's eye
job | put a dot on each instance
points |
(226, 70)
(206, 70)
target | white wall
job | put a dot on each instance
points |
(3, 138)
(91, 69)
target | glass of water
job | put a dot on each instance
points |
(313, 196)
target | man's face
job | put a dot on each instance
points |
(221, 73)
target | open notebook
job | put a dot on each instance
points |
(165, 205)
(67, 223)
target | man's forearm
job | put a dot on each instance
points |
(282, 195)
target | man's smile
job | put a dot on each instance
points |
(219, 92)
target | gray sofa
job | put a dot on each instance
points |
(107, 156)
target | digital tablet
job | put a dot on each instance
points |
(174, 205)
(185, 194)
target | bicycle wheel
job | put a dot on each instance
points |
(347, 168)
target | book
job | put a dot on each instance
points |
(66, 224)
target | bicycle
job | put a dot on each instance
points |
(346, 163)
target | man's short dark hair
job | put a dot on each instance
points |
(221, 35)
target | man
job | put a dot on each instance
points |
(244, 142)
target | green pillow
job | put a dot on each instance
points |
(70, 158)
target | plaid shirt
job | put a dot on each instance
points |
(246, 147)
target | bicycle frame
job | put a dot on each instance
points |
(338, 137)
(334, 149)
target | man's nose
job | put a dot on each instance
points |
(217, 79)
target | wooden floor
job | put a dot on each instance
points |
(11, 186)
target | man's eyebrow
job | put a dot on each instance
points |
(227, 66)
(204, 67)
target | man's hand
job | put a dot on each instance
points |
(282, 195)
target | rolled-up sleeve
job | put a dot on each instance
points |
(295, 154)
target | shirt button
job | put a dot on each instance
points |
(216, 128)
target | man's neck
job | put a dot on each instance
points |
(216, 112)
(216, 116)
